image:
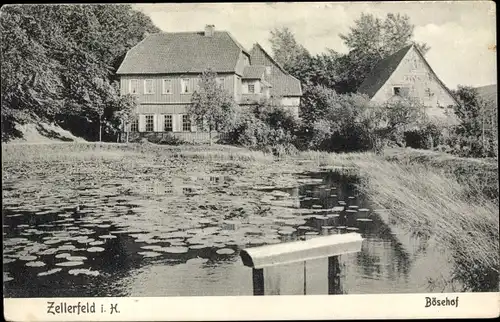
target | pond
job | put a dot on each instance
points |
(85, 234)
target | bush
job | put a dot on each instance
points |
(266, 127)
(427, 136)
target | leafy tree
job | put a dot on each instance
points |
(212, 108)
(476, 135)
(286, 50)
(370, 40)
(58, 62)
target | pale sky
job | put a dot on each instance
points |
(460, 33)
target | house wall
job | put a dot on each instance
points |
(243, 61)
(176, 97)
(414, 74)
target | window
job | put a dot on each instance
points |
(149, 123)
(148, 86)
(220, 81)
(401, 91)
(167, 123)
(134, 126)
(429, 93)
(185, 85)
(268, 70)
(167, 86)
(134, 86)
(186, 123)
(251, 88)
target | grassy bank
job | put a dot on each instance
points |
(452, 199)
(92, 151)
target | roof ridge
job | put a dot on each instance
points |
(271, 58)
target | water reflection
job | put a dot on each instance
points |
(157, 234)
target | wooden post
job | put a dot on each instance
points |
(258, 281)
(333, 275)
(301, 251)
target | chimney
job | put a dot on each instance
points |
(209, 30)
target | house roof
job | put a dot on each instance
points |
(282, 82)
(183, 52)
(254, 72)
(384, 69)
(381, 72)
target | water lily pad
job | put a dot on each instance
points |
(50, 251)
(317, 206)
(363, 209)
(6, 277)
(8, 260)
(27, 258)
(66, 247)
(197, 260)
(63, 255)
(96, 243)
(199, 246)
(364, 219)
(351, 197)
(152, 247)
(70, 263)
(49, 272)
(176, 250)
(83, 271)
(103, 226)
(353, 207)
(95, 249)
(278, 193)
(76, 258)
(352, 228)
(35, 264)
(225, 251)
(351, 211)
(53, 241)
(149, 254)
(107, 236)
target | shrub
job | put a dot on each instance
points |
(265, 126)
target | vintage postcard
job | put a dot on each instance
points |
(249, 161)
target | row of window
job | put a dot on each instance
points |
(168, 125)
(187, 85)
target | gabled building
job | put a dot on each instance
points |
(164, 70)
(406, 74)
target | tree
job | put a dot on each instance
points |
(474, 134)
(370, 40)
(286, 50)
(212, 108)
(58, 62)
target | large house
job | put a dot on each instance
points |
(406, 74)
(164, 70)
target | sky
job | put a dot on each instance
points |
(461, 34)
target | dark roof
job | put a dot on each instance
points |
(283, 84)
(254, 72)
(182, 52)
(381, 73)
